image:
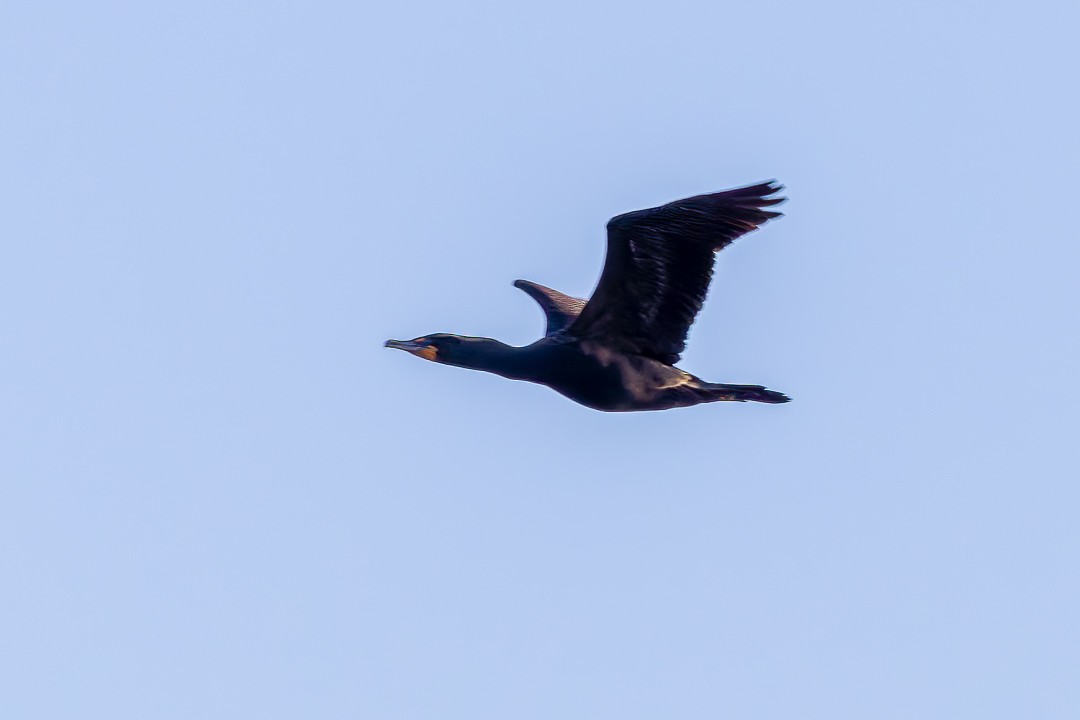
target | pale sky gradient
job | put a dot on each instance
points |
(222, 498)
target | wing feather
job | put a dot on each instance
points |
(561, 309)
(658, 267)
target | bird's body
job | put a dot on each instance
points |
(617, 351)
(596, 376)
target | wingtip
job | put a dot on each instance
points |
(767, 198)
(760, 194)
(753, 199)
(770, 188)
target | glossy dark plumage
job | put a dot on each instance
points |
(617, 351)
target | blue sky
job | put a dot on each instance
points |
(223, 498)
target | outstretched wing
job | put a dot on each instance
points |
(659, 264)
(561, 310)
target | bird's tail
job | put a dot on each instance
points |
(716, 392)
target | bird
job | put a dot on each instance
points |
(617, 351)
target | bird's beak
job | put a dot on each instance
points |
(418, 347)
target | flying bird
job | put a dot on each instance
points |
(617, 351)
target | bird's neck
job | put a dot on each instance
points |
(492, 356)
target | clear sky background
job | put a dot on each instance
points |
(222, 498)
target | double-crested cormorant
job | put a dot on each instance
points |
(617, 351)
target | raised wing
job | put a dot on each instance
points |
(659, 264)
(561, 310)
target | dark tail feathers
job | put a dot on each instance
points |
(742, 393)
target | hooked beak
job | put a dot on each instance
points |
(419, 347)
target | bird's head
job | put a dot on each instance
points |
(440, 347)
(478, 353)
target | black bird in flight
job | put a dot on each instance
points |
(617, 351)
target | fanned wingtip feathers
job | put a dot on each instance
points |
(757, 196)
(746, 205)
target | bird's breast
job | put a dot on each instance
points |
(601, 377)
